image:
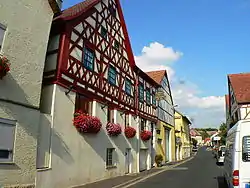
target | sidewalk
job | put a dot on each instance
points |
(120, 181)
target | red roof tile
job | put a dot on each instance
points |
(157, 75)
(77, 9)
(241, 86)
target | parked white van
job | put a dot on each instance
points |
(237, 156)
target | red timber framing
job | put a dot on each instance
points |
(82, 27)
(144, 109)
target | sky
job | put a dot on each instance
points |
(198, 42)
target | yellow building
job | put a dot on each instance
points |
(165, 113)
(182, 134)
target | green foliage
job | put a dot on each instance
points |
(158, 159)
(223, 133)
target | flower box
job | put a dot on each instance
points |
(130, 132)
(85, 123)
(113, 129)
(146, 135)
(4, 66)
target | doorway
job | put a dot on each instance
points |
(128, 161)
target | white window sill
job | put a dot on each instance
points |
(44, 169)
(7, 163)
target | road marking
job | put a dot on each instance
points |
(156, 173)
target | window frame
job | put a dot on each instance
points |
(104, 35)
(10, 151)
(84, 104)
(141, 92)
(112, 80)
(148, 96)
(244, 157)
(128, 86)
(86, 62)
(2, 27)
(110, 162)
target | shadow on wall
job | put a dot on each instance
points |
(61, 150)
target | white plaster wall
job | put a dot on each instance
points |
(28, 25)
(244, 112)
(83, 157)
(23, 168)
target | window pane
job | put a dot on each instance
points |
(88, 59)
(2, 31)
(7, 136)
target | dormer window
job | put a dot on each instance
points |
(104, 32)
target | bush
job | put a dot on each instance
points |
(158, 159)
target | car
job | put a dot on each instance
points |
(237, 157)
(221, 154)
(195, 149)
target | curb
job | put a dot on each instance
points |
(140, 179)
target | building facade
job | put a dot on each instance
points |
(182, 132)
(90, 67)
(165, 114)
(24, 44)
(239, 98)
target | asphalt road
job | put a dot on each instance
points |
(200, 172)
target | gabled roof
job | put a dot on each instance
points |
(194, 132)
(157, 75)
(241, 86)
(77, 10)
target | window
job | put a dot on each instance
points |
(89, 59)
(84, 104)
(246, 149)
(2, 32)
(154, 100)
(143, 124)
(104, 32)
(116, 45)
(128, 85)
(141, 92)
(148, 97)
(126, 120)
(110, 115)
(7, 138)
(112, 10)
(112, 75)
(110, 157)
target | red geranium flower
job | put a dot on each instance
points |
(130, 132)
(113, 129)
(4, 66)
(146, 135)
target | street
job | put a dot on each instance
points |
(200, 172)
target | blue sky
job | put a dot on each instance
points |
(213, 35)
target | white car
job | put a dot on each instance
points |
(221, 155)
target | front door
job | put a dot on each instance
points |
(127, 160)
(167, 144)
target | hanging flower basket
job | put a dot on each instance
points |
(4, 66)
(86, 124)
(130, 132)
(146, 135)
(113, 129)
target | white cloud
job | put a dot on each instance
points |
(207, 110)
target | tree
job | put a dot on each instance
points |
(223, 133)
(194, 142)
(204, 134)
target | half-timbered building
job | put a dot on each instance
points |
(90, 67)
(239, 97)
(147, 116)
(165, 114)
